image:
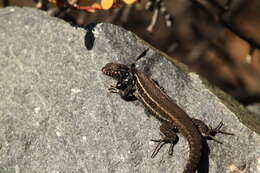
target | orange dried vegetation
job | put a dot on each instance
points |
(103, 5)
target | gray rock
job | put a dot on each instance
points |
(56, 114)
(255, 108)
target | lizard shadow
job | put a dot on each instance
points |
(204, 161)
(89, 37)
(130, 98)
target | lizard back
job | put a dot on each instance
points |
(165, 109)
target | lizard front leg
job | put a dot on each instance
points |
(125, 91)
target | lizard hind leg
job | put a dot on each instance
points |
(209, 132)
(168, 133)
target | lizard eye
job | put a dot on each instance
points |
(125, 75)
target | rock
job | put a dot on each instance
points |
(56, 114)
(254, 108)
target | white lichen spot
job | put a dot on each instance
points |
(12, 9)
(17, 169)
(75, 90)
(48, 146)
(37, 123)
(37, 110)
(122, 157)
(194, 76)
(234, 169)
(54, 171)
(58, 133)
(258, 165)
(95, 32)
(84, 138)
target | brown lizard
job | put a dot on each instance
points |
(134, 83)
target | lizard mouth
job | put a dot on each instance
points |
(110, 73)
(107, 72)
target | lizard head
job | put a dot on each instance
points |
(116, 71)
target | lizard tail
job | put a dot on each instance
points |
(195, 154)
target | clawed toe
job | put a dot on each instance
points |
(213, 131)
(162, 142)
(113, 89)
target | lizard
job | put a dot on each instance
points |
(132, 82)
